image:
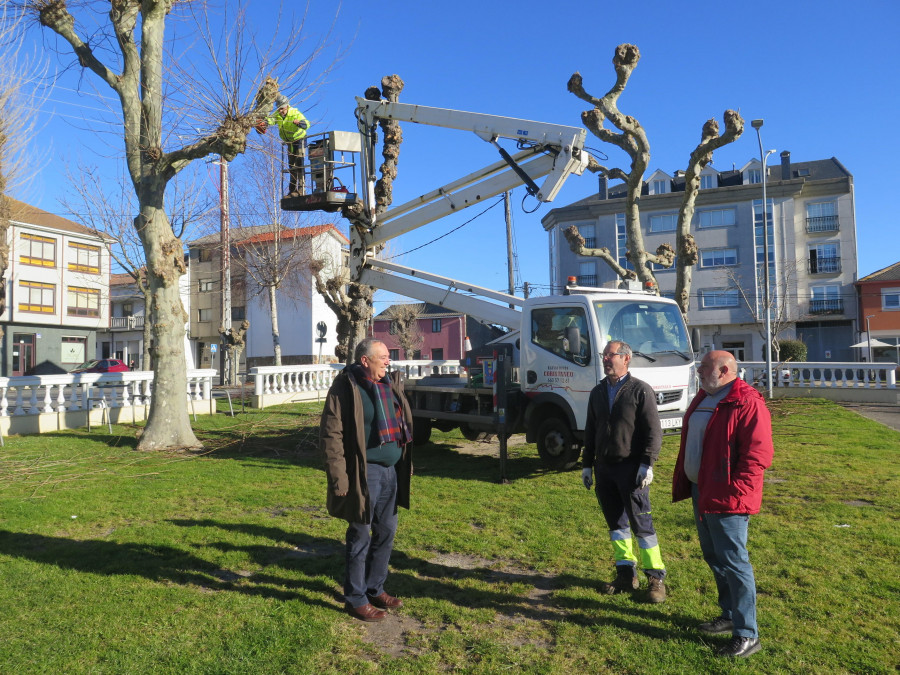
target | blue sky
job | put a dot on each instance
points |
(822, 74)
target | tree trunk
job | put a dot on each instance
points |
(168, 426)
(276, 336)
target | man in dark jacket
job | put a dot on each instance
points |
(726, 446)
(622, 438)
(365, 436)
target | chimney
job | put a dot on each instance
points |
(786, 165)
(603, 188)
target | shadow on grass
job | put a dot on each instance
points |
(156, 563)
(468, 587)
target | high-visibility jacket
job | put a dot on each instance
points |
(289, 125)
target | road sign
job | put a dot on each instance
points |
(212, 348)
(321, 329)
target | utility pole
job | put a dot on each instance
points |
(509, 245)
(225, 244)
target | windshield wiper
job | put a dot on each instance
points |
(646, 356)
(675, 351)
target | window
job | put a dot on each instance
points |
(826, 299)
(587, 273)
(238, 313)
(648, 325)
(736, 349)
(718, 257)
(589, 233)
(659, 268)
(563, 331)
(127, 308)
(435, 325)
(84, 258)
(205, 285)
(716, 218)
(204, 315)
(394, 354)
(719, 298)
(37, 297)
(664, 222)
(82, 301)
(660, 187)
(622, 243)
(707, 181)
(890, 298)
(204, 255)
(822, 217)
(73, 350)
(824, 259)
(437, 354)
(754, 176)
(36, 250)
(758, 232)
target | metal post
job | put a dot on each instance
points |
(869, 339)
(509, 245)
(225, 242)
(756, 124)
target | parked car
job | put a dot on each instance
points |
(102, 366)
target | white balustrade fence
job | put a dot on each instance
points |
(274, 385)
(847, 381)
(37, 403)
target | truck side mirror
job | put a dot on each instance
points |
(572, 339)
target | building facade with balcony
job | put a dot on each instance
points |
(299, 306)
(879, 312)
(812, 251)
(57, 292)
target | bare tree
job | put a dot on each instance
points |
(223, 100)
(406, 324)
(633, 140)
(351, 301)
(17, 122)
(781, 318)
(103, 211)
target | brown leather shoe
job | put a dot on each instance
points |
(365, 612)
(385, 601)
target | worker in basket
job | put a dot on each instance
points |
(292, 126)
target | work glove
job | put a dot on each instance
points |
(587, 478)
(644, 476)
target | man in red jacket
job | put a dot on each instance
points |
(726, 446)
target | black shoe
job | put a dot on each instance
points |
(626, 581)
(739, 647)
(718, 626)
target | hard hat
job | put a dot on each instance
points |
(281, 100)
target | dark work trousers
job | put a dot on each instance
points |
(369, 546)
(627, 511)
(296, 150)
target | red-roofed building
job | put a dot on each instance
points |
(254, 254)
(879, 306)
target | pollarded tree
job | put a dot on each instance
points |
(222, 103)
(406, 324)
(352, 302)
(632, 139)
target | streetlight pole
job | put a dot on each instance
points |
(756, 124)
(869, 339)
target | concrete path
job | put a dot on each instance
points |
(886, 413)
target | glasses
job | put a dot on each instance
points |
(609, 356)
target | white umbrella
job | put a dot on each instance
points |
(875, 343)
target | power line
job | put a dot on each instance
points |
(499, 201)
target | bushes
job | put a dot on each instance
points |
(792, 350)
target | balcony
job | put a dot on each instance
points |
(587, 279)
(826, 306)
(824, 265)
(130, 322)
(822, 224)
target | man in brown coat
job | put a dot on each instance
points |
(366, 438)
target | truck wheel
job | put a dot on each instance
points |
(473, 435)
(421, 430)
(556, 444)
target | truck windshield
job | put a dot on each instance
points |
(648, 326)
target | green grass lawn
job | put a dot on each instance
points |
(114, 561)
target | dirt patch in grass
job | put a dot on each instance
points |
(859, 502)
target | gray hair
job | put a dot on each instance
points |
(364, 348)
(624, 347)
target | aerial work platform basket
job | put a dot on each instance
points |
(328, 178)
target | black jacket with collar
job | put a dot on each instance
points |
(629, 432)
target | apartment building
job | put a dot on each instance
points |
(879, 312)
(812, 251)
(57, 292)
(300, 307)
